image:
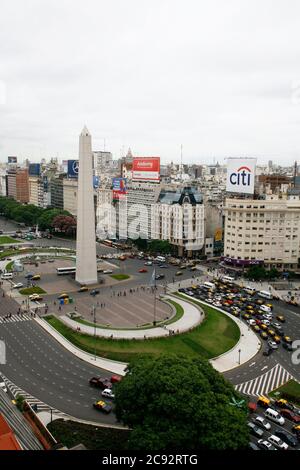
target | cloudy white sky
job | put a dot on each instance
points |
(220, 77)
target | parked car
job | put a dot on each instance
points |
(102, 406)
(115, 379)
(83, 289)
(255, 430)
(290, 415)
(280, 318)
(94, 292)
(286, 437)
(36, 277)
(107, 271)
(108, 393)
(143, 270)
(100, 382)
(18, 285)
(262, 423)
(35, 297)
(277, 442)
(265, 445)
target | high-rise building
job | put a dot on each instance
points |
(18, 185)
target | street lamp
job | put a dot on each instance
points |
(239, 356)
(95, 338)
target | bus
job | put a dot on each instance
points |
(61, 271)
(265, 294)
(228, 279)
(208, 285)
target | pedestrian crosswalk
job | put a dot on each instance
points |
(15, 318)
(34, 402)
(266, 382)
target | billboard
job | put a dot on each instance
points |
(240, 175)
(12, 159)
(34, 169)
(73, 167)
(96, 182)
(146, 169)
(119, 188)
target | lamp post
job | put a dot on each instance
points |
(95, 337)
(239, 356)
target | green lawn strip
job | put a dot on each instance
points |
(32, 290)
(290, 391)
(120, 277)
(71, 433)
(4, 240)
(216, 335)
(34, 251)
(9, 266)
(179, 313)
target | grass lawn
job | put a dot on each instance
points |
(120, 277)
(216, 335)
(9, 266)
(4, 239)
(71, 433)
(290, 391)
(32, 290)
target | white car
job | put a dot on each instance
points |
(251, 322)
(268, 316)
(107, 271)
(18, 285)
(3, 386)
(265, 445)
(262, 423)
(272, 344)
(108, 393)
(277, 442)
(148, 263)
(266, 322)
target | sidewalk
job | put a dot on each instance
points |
(192, 317)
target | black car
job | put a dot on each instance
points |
(255, 430)
(253, 446)
(268, 352)
(94, 292)
(287, 438)
(287, 346)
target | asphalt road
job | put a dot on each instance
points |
(40, 366)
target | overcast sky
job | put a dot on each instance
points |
(222, 78)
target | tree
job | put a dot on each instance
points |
(160, 246)
(179, 402)
(257, 273)
(45, 221)
(64, 223)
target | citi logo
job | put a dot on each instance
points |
(241, 177)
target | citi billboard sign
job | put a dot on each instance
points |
(240, 175)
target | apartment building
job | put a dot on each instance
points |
(70, 189)
(264, 231)
(17, 185)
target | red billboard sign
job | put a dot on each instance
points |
(146, 168)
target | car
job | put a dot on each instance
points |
(280, 318)
(29, 275)
(63, 296)
(277, 442)
(275, 324)
(272, 344)
(100, 382)
(18, 285)
(253, 446)
(287, 339)
(162, 276)
(143, 270)
(268, 352)
(296, 430)
(36, 277)
(108, 393)
(102, 406)
(35, 297)
(265, 445)
(271, 332)
(256, 328)
(3, 386)
(178, 273)
(115, 379)
(255, 430)
(266, 322)
(259, 302)
(290, 415)
(148, 263)
(263, 335)
(262, 423)
(277, 339)
(286, 437)
(107, 271)
(287, 346)
(263, 401)
(83, 289)
(94, 292)
(164, 266)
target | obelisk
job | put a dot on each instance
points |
(86, 262)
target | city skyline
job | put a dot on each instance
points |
(220, 81)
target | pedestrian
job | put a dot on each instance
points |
(59, 307)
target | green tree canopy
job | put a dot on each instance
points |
(47, 217)
(178, 402)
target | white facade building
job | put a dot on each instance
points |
(266, 231)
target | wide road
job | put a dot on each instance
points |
(42, 367)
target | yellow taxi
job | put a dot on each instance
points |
(277, 339)
(263, 401)
(271, 332)
(36, 277)
(63, 296)
(263, 327)
(263, 335)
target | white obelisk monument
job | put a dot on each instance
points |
(86, 262)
